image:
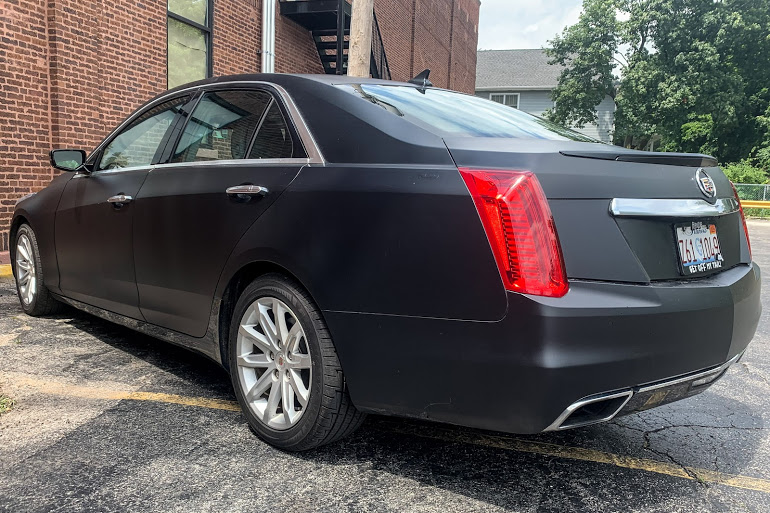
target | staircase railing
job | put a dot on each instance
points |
(378, 67)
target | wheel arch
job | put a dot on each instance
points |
(235, 285)
(16, 222)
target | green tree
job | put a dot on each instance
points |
(689, 75)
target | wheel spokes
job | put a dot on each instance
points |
(274, 369)
(298, 361)
(255, 361)
(256, 338)
(267, 325)
(260, 387)
(287, 401)
(300, 391)
(271, 410)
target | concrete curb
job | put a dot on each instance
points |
(5, 270)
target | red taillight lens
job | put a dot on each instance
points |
(743, 218)
(520, 229)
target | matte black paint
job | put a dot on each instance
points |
(385, 237)
(94, 243)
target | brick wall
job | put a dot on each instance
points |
(440, 35)
(71, 70)
(24, 102)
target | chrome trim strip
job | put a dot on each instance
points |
(639, 207)
(557, 424)
(692, 377)
(308, 141)
(236, 162)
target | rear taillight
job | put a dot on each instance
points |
(743, 218)
(520, 229)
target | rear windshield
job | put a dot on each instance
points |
(454, 114)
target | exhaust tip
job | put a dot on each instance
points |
(591, 410)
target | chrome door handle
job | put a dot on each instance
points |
(247, 190)
(119, 200)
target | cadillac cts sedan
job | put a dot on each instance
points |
(347, 246)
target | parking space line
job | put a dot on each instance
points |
(434, 432)
(589, 455)
(67, 390)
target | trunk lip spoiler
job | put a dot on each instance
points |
(647, 157)
(650, 207)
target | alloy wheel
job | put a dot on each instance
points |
(25, 269)
(274, 364)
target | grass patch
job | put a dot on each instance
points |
(6, 403)
(757, 212)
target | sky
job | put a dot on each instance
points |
(507, 24)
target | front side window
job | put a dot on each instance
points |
(189, 41)
(511, 100)
(138, 143)
(222, 126)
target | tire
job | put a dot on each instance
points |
(298, 363)
(34, 296)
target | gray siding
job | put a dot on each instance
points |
(535, 102)
(538, 101)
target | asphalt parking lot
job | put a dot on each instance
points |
(109, 420)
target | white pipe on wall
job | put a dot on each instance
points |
(268, 36)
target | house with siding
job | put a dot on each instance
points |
(523, 79)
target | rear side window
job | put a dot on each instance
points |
(447, 113)
(222, 126)
(273, 140)
(137, 144)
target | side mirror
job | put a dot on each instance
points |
(68, 160)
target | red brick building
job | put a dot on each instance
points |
(71, 70)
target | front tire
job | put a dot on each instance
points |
(285, 370)
(34, 296)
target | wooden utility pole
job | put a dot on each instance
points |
(360, 52)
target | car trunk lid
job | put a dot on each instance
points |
(654, 195)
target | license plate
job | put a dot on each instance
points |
(699, 250)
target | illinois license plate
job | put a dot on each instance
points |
(699, 250)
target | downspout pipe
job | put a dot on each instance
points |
(268, 36)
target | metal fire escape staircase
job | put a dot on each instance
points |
(329, 23)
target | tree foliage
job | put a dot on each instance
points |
(744, 172)
(688, 75)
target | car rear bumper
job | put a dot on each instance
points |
(523, 373)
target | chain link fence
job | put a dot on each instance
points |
(753, 191)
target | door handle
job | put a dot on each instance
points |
(247, 190)
(119, 200)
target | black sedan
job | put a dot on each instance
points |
(348, 246)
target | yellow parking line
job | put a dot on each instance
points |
(590, 455)
(63, 389)
(5, 270)
(434, 432)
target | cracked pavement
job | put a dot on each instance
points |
(62, 452)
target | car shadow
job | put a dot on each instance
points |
(710, 431)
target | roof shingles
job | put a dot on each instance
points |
(515, 69)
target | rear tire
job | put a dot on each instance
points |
(34, 296)
(281, 352)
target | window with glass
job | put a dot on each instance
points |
(138, 143)
(447, 113)
(189, 41)
(223, 127)
(511, 100)
(273, 141)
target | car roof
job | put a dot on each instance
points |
(286, 80)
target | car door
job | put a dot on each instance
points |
(188, 215)
(93, 226)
